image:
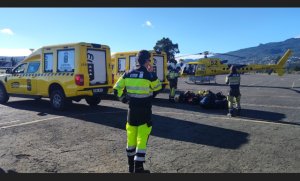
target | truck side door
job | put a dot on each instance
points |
(31, 78)
(17, 81)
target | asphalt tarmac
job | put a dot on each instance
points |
(184, 139)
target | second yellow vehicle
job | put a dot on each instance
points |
(125, 61)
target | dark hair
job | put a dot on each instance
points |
(142, 56)
(233, 69)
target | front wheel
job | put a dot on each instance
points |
(93, 101)
(3, 95)
(58, 100)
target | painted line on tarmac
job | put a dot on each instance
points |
(294, 83)
(273, 106)
(291, 97)
(227, 118)
(10, 122)
(30, 122)
(57, 117)
(259, 82)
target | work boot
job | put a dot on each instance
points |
(139, 168)
(171, 100)
(130, 164)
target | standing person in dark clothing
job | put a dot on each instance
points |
(234, 95)
(137, 88)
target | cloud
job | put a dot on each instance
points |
(297, 36)
(148, 24)
(7, 31)
(14, 52)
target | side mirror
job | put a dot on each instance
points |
(9, 71)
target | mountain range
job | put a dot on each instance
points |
(265, 53)
(262, 54)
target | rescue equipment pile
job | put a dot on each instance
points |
(205, 98)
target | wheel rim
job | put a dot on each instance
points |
(57, 101)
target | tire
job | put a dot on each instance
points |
(3, 95)
(58, 100)
(93, 101)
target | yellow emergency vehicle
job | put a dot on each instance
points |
(62, 73)
(126, 61)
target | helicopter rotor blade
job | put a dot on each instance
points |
(189, 54)
(211, 53)
(229, 55)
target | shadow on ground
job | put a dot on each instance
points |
(295, 89)
(2, 171)
(164, 127)
(257, 115)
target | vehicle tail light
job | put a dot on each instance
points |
(79, 79)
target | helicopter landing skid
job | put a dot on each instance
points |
(198, 80)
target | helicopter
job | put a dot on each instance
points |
(205, 69)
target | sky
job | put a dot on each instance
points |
(195, 30)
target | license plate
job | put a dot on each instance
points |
(97, 90)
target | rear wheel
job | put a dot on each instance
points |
(58, 100)
(3, 95)
(93, 101)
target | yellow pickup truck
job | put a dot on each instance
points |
(62, 73)
(125, 61)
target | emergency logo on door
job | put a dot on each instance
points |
(15, 85)
(66, 57)
(90, 59)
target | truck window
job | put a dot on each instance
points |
(48, 62)
(132, 62)
(158, 64)
(65, 60)
(121, 64)
(33, 67)
(97, 66)
(20, 69)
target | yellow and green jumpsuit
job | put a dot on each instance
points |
(234, 95)
(172, 77)
(138, 86)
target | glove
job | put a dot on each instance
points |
(155, 93)
(124, 99)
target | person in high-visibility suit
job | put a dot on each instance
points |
(172, 77)
(234, 95)
(136, 87)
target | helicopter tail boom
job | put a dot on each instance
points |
(284, 58)
(279, 66)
